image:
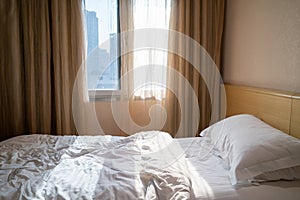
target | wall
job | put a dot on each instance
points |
(262, 44)
(139, 112)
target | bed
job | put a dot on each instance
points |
(240, 157)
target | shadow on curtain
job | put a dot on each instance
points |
(42, 48)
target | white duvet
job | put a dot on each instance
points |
(147, 165)
(49, 167)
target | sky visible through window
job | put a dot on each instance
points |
(101, 29)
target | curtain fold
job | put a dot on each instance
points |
(127, 42)
(202, 20)
(42, 48)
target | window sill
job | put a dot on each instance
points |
(104, 95)
(115, 95)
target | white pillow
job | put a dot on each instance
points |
(281, 174)
(251, 148)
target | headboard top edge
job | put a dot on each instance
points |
(296, 96)
(266, 91)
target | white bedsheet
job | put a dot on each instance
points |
(209, 178)
(104, 167)
(48, 167)
(217, 185)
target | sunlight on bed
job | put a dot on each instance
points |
(209, 179)
(150, 164)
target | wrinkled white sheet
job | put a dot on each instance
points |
(147, 165)
(209, 178)
(48, 167)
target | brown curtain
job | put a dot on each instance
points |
(202, 20)
(41, 50)
(127, 40)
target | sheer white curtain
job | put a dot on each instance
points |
(150, 14)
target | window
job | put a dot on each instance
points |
(151, 14)
(102, 27)
(103, 66)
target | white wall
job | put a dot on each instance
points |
(262, 44)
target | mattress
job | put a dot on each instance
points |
(106, 167)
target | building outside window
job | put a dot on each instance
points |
(102, 27)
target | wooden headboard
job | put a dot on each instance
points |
(280, 109)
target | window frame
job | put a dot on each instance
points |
(110, 94)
